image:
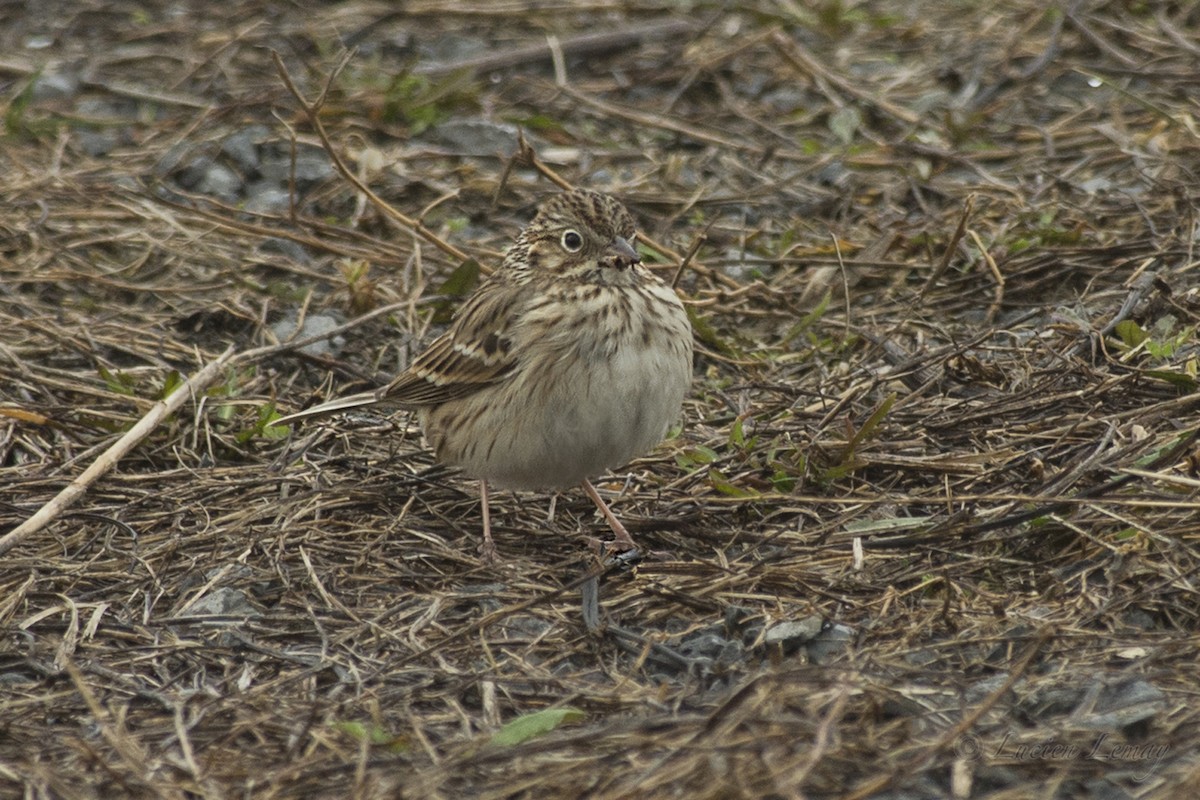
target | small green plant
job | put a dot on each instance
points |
(421, 103)
(1045, 230)
(856, 439)
(706, 333)
(775, 463)
(537, 723)
(458, 284)
(538, 123)
(375, 735)
(359, 284)
(1162, 343)
(118, 382)
(806, 323)
(15, 121)
(264, 426)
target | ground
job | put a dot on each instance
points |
(927, 528)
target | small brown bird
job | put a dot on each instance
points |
(571, 359)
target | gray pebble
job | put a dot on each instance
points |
(477, 137)
(242, 147)
(224, 601)
(262, 198)
(220, 181)
(55, 86)
(314, 324)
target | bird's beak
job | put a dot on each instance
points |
(621, 254)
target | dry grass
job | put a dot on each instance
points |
(943, 273)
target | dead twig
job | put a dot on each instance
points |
(804, 61)
(109, 458)
(312, 112)
(581, 46)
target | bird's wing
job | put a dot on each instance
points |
(472, 354)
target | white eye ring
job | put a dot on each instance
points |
(571, 241)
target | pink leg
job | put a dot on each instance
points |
(488, 548)
(622, 540)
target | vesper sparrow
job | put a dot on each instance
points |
(571, 359)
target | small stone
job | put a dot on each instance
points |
(1124, 704)
(1052, 702)
(832, 642)
(55, 85)
(790, 635)
(97, 143)
(191, 175)
(311, 165)
(288, 248)
(477, 137)
(224, 601)
(220, 181)
(981, 690)
(703, 644)
(735, 619)
(169, 161)
(264, 199)
(242, 147)
(314, 325)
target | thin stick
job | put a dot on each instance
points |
(804, 61)
(109, 458)
(587, 44)
(690, 254)
(934, 276)
(997, 275)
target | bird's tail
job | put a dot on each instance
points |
(332, 407)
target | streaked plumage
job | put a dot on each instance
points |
(571, 359)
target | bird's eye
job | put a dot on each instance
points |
(572, 242)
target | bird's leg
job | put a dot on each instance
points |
(488, 549)
(622, 540)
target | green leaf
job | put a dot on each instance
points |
(1161, 350)
(650, 255)
(172, 382)
(696, 455)
(726, 487)
(809, 319)
(783, 481)
(737, 436)
(462, 280)
(373, 734)
(707, 334)
(266, 418)
(458, 284)
(14, 115)
(540, 123)
(1177, 379)
(262, 425)
(1130, 332)
(421, 102)
(872, 423)
(118, 382)
(529, 726)
(889, 524)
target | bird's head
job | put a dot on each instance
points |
(581, 235)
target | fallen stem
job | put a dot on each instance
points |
(109, 458)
